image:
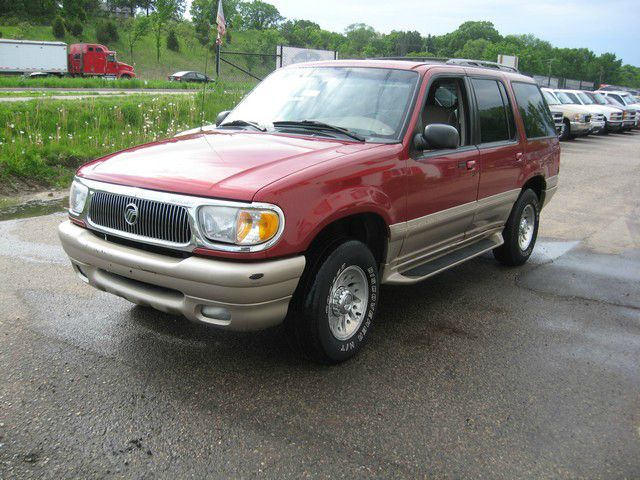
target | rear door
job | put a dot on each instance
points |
(541, 145)
(501, 155)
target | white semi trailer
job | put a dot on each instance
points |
(26, 56)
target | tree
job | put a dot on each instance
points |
(172, 41)
(203, 16)
(135, 29)
(258, 15)
(449, 43)
(475, 49)
(165, 11)
(358, 37)
(58, 28)
(76, 28)
(107, 32)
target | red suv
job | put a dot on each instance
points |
(328, 180)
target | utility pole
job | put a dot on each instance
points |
(551, 60)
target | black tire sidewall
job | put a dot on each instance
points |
(566, 133)
(316, 304)
(528, 197)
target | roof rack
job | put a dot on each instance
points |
(454, 61)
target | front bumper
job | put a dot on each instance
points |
(235, 295)
(580, 128)
(597, 126)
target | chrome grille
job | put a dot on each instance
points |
(557, 118)
(161, 221)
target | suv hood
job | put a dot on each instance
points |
(596, 109)
(223, 164)
(573, 108)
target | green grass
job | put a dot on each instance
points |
(45, 93)
(88, 82)
(45, 140)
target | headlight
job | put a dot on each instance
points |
(239, 226)
(77, 197)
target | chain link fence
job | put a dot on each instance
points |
(249, 67)
(554, 82)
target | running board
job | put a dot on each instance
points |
(452, 259)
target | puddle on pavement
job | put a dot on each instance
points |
(548, 250)
(33, 208)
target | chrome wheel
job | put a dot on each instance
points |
(348, 302)
(526, 227)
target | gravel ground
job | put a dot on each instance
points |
(482, 371)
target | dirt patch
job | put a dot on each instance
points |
(23, 189)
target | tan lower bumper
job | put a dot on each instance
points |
(185, 286)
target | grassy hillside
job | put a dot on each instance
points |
(45, 140)
(190, 57)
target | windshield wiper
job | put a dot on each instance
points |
(243, 123)
(316, 125)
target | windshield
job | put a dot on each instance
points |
(564, 98)
(626, 99)
(551, 100)
(598, 98)
(614, 101)
(371, 102)
(585, 98)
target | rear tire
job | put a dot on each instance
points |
(335, 304)
(521, 231)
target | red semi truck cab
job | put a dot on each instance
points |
(95, 59)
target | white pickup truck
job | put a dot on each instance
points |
(600, 114)
(628, 103)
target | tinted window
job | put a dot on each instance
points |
(573, 98)
(534, 112)
(494, 121)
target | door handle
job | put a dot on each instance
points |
(471, 165)
(519, 157)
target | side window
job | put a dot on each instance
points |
(535, 114)
(99, 50)
(447, 102)
(91, 49)
(496, 121)
(573, 98)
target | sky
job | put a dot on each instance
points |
(600, 25)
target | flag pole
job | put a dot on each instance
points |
(217, 60)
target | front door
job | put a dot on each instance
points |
(443, 184)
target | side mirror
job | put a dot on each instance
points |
(441, 136)
(221, 116)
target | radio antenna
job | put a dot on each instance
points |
(204, 87)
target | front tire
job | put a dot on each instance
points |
(334, 307)
(566, 130)
(521, 231)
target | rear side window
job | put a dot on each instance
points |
(534, 112)
(496, 118)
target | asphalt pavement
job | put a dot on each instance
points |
(482, 371)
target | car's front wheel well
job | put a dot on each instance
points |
(368, 228)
